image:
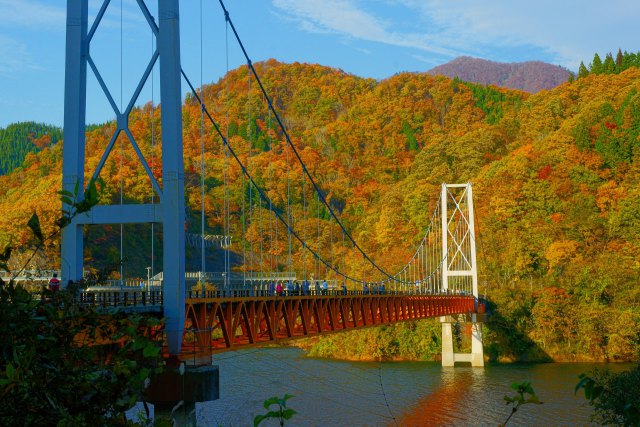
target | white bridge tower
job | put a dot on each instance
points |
(459, 269)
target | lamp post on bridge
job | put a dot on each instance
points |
(148, 279)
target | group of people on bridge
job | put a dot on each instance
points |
(304, 288)
(296, 288)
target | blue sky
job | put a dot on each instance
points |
(367, 38)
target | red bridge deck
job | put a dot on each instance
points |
(220, 324)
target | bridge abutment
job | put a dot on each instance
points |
(449, 356)
(175, 392)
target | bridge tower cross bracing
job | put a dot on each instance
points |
(459, 261)
(170, 212)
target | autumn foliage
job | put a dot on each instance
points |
(556, 184)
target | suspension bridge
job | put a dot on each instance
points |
(291, 278)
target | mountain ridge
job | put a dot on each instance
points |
(529, 76)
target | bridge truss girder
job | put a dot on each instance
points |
(216, 325)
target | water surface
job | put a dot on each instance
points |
(337, 393)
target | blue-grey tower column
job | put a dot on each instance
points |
(170, 212)
(172, 172)
(75, 96)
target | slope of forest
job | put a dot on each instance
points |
(18, 139)
(530, 76)
(556, 184)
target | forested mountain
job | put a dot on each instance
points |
(530, 76)
(556, 184)
(18, 139)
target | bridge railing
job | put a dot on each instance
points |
(259, 292)
(219, 277)
(121, 298)
(30, 275)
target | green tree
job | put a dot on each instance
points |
(609, 65)
(596, 66)
(582, 71)
(53, 370)
(619, 61)
(612, 396)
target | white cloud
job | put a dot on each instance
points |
(14, 58)
(345, 18)
(31, 13)
(425, 59)
(565, 31)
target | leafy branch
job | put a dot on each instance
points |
(65, 363)
(611, 396)
(282, 413)
(519, 399)
(75, 205)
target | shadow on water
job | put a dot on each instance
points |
(506, 338)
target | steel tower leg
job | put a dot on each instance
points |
(173, 173)
(75, 96)
(477, 350)
(171, 211)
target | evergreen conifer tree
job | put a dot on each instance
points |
(596, 66)
(582, 71)
(619, 61)
(609, 66)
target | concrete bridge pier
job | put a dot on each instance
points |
(175, 392)
(449, 357)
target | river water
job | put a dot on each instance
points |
(337, 393)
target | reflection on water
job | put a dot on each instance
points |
(334, 393)
(441, 406)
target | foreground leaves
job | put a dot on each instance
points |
(613, 396)
(282, 413)
(524, 395)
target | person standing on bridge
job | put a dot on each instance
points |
(279, 289)
(54, 283)
(272, 288)
(325, 287)
(289, 288)
(305, 287)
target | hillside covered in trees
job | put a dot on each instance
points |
(556, 185)
(530, 76)
(18, 139)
